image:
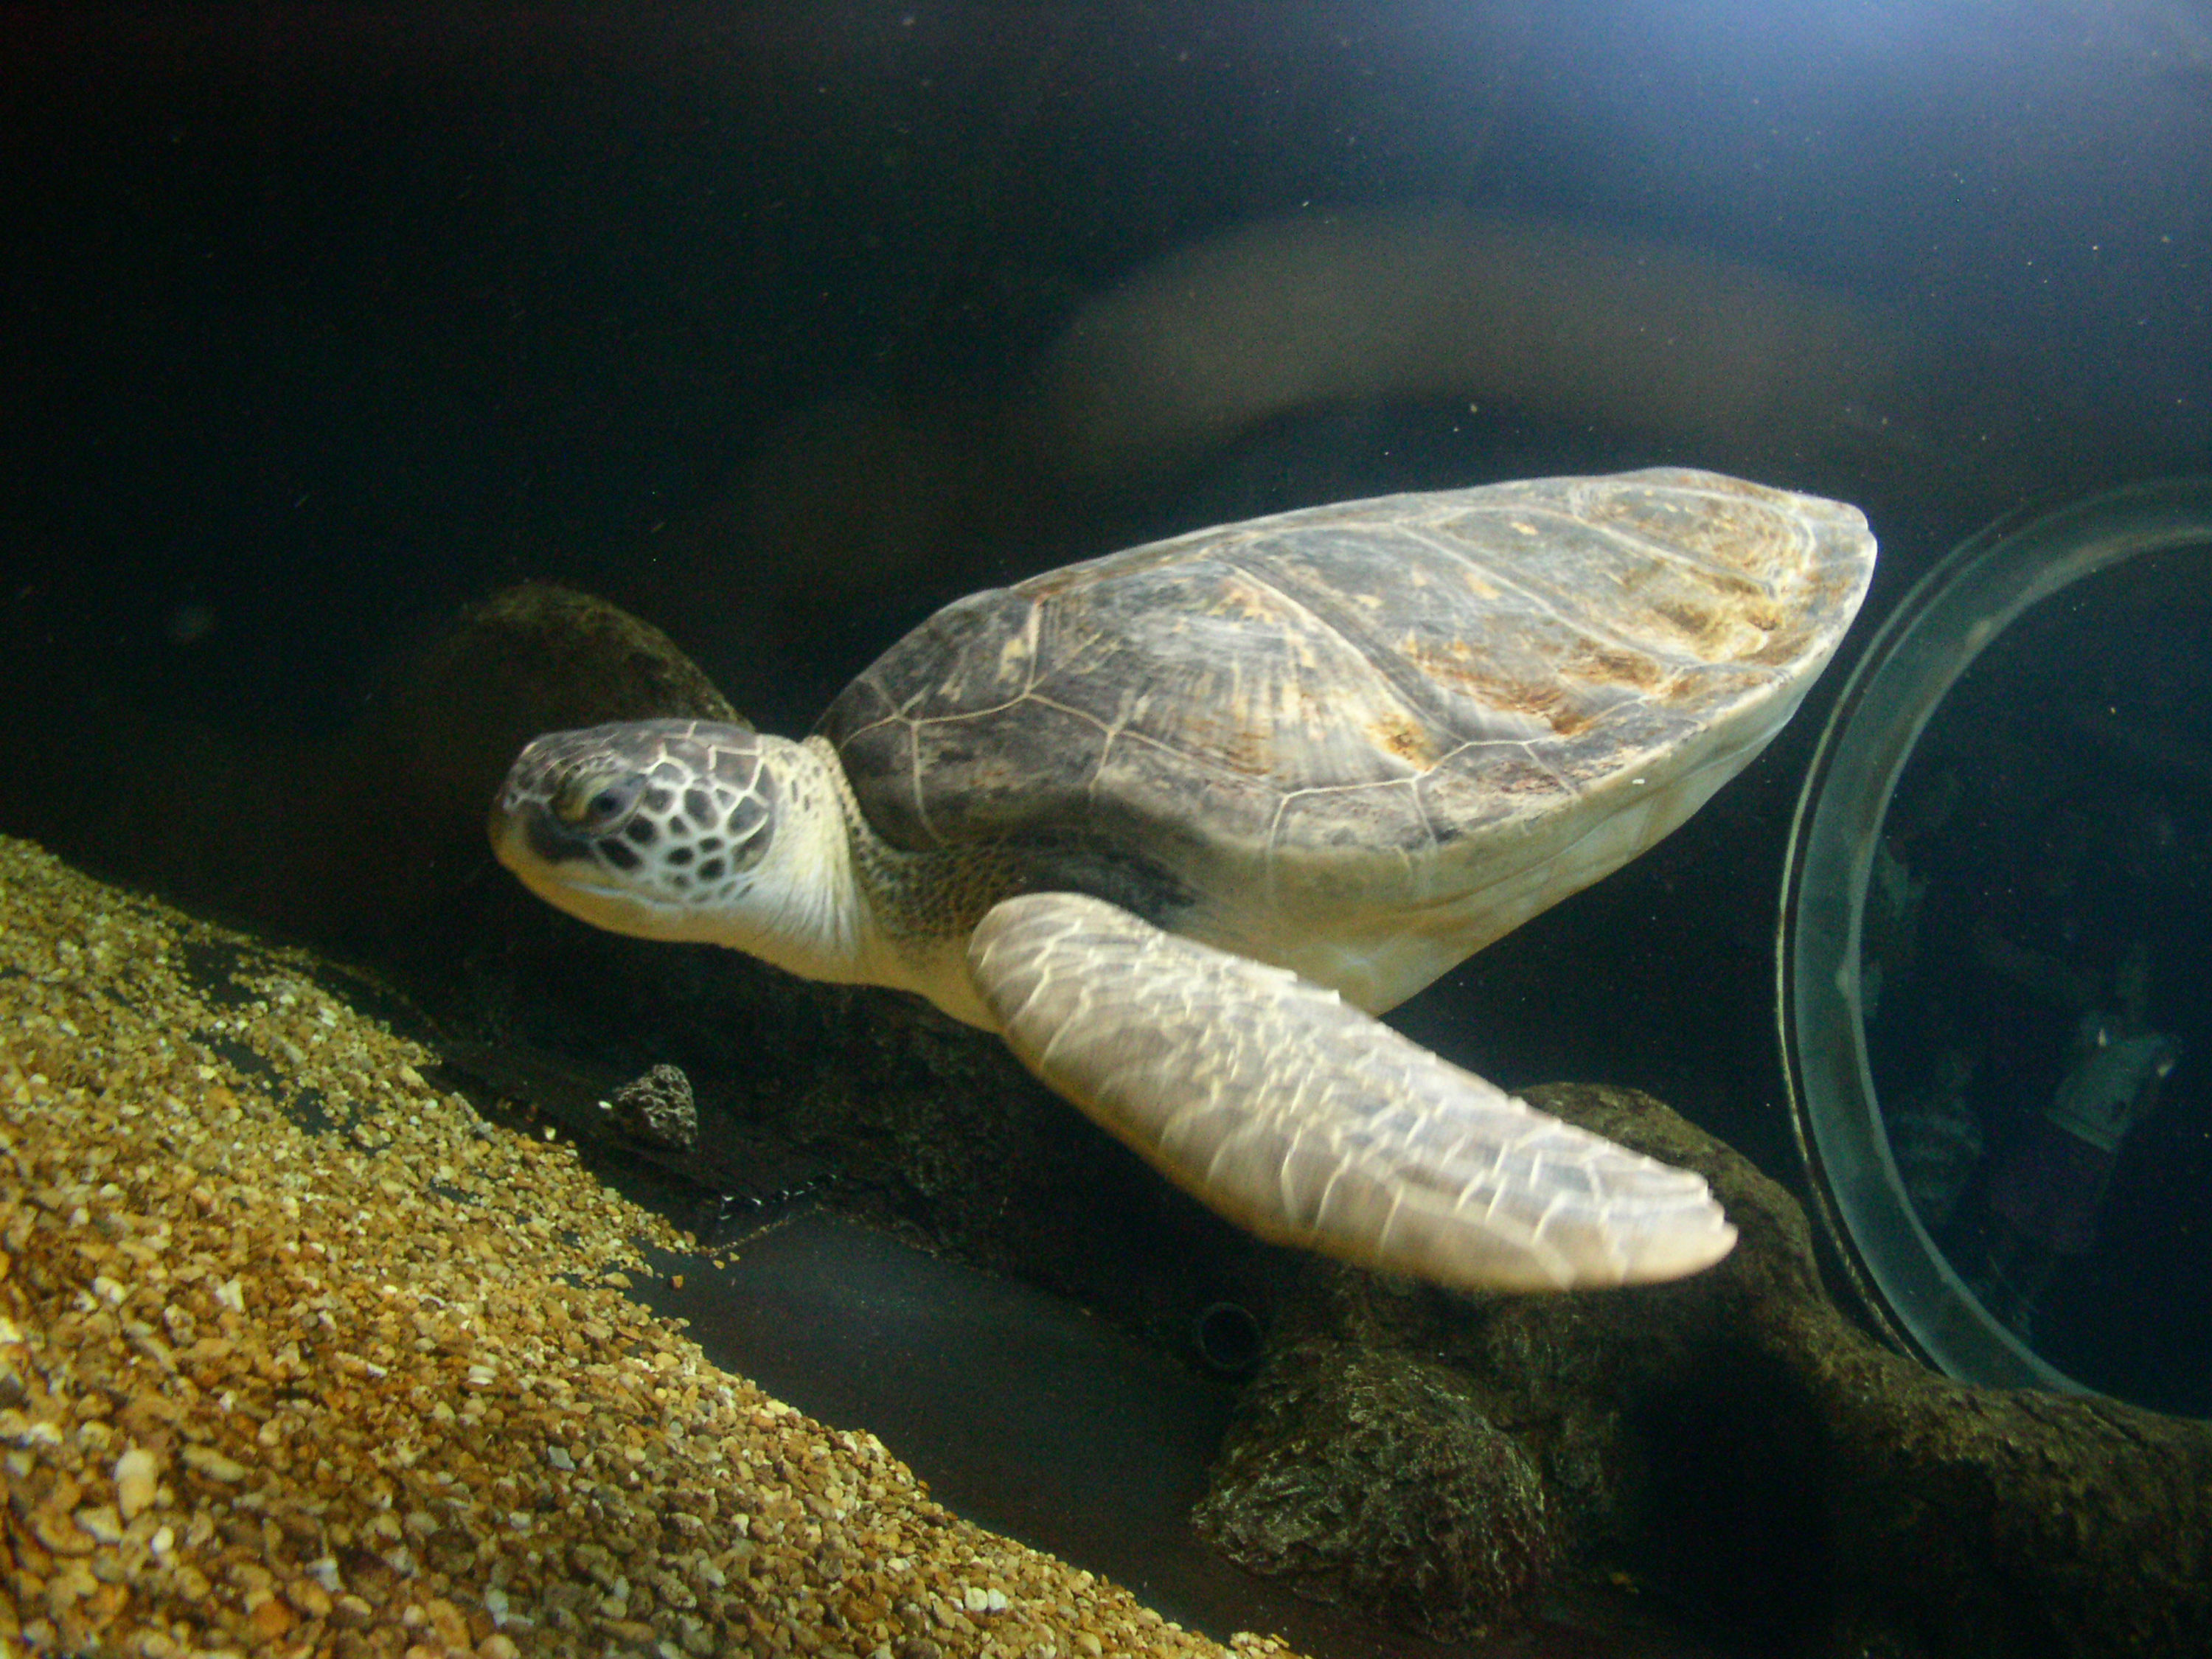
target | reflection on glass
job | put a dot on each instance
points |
(2032, 980)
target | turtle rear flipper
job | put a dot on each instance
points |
(1311, 1123)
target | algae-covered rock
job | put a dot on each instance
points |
(397, 804)
(1732, 1441)
(1373, 1477)
(370, 839)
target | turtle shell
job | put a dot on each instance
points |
(1381, 705)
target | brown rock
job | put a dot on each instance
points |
(309, 1599)
(138, 1478)
(271, 1619)
(448, 1620)
(56, 1529)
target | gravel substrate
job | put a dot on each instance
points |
(300, 1355)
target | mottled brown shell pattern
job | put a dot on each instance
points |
(1357, 721)
(1394, 673)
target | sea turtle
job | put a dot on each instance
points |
(1177, 822)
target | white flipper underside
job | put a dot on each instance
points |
(1309, 1123)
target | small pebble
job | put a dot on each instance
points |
(213, 1464)
(658, 1107)
(136, 1478)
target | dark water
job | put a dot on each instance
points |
(323, 320)
(780, 325)
(2058, 814)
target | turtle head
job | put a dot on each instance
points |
(685, 830)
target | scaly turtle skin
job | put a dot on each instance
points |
(1178, 822)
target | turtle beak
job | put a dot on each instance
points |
(528, 838)
(550, 841)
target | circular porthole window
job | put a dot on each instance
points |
(1995, 961)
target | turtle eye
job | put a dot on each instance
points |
(597, 805)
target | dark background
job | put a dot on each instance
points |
(323, 320)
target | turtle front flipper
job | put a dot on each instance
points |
(1310, 1123)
